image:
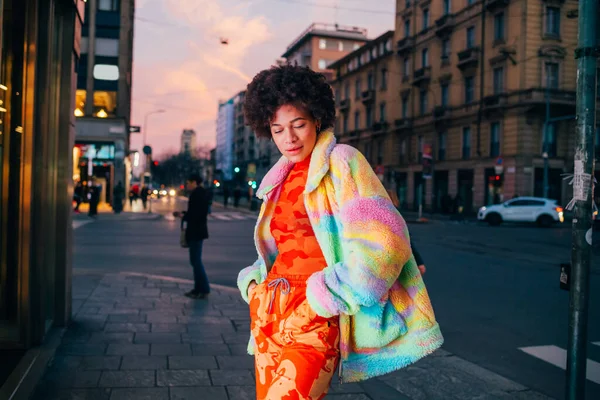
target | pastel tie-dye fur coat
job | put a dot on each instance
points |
(372, 282)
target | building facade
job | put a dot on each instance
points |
(37, 83)
(322, 44)
(225, 132)
(188, 141)
(103, 97)
(480, 82)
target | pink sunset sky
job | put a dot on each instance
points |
(180, 65)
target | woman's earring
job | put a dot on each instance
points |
(318, 128)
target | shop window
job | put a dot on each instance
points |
(105, 104)
(80, 96)
(108, 5)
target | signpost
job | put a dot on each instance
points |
(148, 152)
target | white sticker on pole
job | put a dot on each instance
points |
(581, 184)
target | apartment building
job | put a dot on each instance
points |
(321, 44)
(367, 101)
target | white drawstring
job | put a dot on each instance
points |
(284, 290)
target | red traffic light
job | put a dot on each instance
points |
(156, 163)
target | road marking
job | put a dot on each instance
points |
(238, 216)
(223, 217)
(558, 357)
(79, 223)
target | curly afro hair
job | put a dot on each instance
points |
(287, 84)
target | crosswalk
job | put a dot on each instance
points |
(557, 356)
(231, 216)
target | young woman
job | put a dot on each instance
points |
(335, 282)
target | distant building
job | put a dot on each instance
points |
(322, 44)
(225, 131)
(188, 141)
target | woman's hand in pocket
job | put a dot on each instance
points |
(251, 288)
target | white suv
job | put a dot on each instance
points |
(523, 209)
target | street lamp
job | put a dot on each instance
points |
(147, 161)
(145, 126)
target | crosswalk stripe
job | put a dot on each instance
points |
(558, 357)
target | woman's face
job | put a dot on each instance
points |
(294, 132)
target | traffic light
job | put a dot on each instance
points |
(156, 163)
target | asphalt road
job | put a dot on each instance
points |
(495, 290)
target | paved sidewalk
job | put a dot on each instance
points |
(135, 337)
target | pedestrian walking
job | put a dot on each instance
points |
(335, 283)
(195, 220)
(93, 198)
(78, 195)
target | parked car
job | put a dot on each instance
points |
(544, 212)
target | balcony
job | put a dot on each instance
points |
(422, 75)
(380, 127)
(344, 104)
(493, 5)
(562, 102)
(405, 45)
(441, 113)
(444, 25)
(496, 100)
(468, 58)
(402, 123)
(368, 96)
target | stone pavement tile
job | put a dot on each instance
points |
(126, 318)
(174, 328)
(182, 377)
(241, 392)
(144, 362)
(112, 337)
(345, 388)
(235, 362)
(76, 336)
(128, 349)
(158, 337)
(237, 377)
(140, 394)
(358, 396)
(379, 390)
(521, 395)
(192, 362)
(74, 379)
(120, 310)
(128, 379)
(166, 284)
(236, 313)
(135, 303)
(71, 394)
(201, 392)
(89, 310)
(171, 349)
(65, 363)
(239, 349)
(237, 337)
(93, 363)
(202, 338)
(126, 327)
(81, 349)
(162, 318)
(143, 292)
(207, 312)
(210, 349)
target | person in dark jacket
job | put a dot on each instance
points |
(196, 232)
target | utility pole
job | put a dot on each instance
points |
(586, 55)
(545, 149)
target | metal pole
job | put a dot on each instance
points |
(586, 55)
(545, 133)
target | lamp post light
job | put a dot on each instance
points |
(148, 156)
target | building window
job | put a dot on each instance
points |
(108, 5)
(469, 89)
(445, 91)
(551, 140)
(406, 69)
(357, 120)
(470, 37)
(384, 74)
(403, 149)
(442, 146)
(80, 97)
(405, 106)
(425, 19)
(407, 28)
(370, 81)
(425, 57)
(423, 101)
(347, 91)
(380, 152)
(445, 49)
(382, 112)
(322, 64)
(469, 2)
(551, 75)
(498, 80)
(446, 7)
(553, 21)
(407, 3)
(495, 139)
(369, 116)
(499, 27)
(107, 47)
(106, 72)
(420, 148)
(367, 151)
(322, 44)
(357, 89)
(105, 104)
(345, 124)
(466, 143)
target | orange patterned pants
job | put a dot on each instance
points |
(296, 350)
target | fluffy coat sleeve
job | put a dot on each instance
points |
(246, 276)
(374, 240)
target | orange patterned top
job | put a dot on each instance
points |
(299, 251)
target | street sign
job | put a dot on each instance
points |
(135, 129)
(147, 150)
(427, 161)
(499, 166)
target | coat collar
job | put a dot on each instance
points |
(318, 167)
